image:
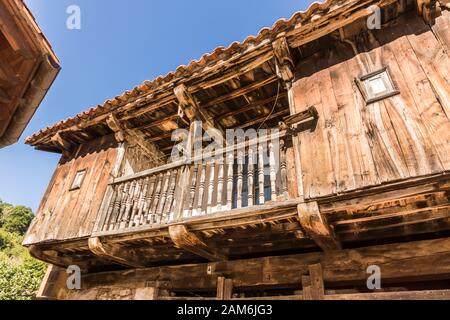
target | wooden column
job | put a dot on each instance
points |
(224, 288)
(54, 280)
(313, 286)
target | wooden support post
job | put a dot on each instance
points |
(189, 107)
(224, 288)
(284, 61)
(114, 253)
(317, 286)
(306, 287)
(54, 279)
(316, 226)
(187, 240)
(146, 294)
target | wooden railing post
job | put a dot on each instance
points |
(181, 197)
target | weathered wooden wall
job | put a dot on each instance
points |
(65, 214)
(355, 145)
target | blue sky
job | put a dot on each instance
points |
(121, 44)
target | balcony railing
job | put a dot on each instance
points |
(252, 174)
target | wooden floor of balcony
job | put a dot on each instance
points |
(419, 210)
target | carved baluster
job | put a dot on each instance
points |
(128, 206)
(230, 178)
(191, 211)
(250, 175)
(201, 190)
(273, 172)
(123, 203)
(169, 201)
(261, 173)
(159, 211)
(240, 177)
(110, 207)
(212, 170)
(141, 206)
(153, 217)
(283, 170)
(135, 205)
(220, 180)
(114, 208)
(148, 201)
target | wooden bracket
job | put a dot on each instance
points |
(52, 257)
(290, 122)
(114, 124)
(114, 253)
(427, 9)
(135, 137)
(62, 144)
(189, 107)
(284, 61)
(316, 226)
(187, 240)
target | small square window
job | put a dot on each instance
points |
(78, 180)
(377, 85)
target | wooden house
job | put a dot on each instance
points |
(357, 94)
(28, 67)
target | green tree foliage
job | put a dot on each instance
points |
(20, 274)
(16, 219)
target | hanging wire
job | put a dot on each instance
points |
(273, 108)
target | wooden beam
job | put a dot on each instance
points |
(114, 253)
(284, 60)
(239, 92)
(13, 32)
(251, 106)
(400, 263)
(402, 295)
(189, 107)
(316, 226)
(187, 240)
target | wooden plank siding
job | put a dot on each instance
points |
(354, 145)
(65, 214)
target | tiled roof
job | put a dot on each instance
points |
(197, 66)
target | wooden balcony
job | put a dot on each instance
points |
(239, 178)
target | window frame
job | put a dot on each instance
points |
(362, 83)
(74, 187)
